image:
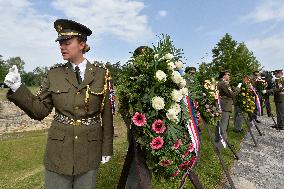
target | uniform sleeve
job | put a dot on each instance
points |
(107, 123)
(36, 106)
(225, 91)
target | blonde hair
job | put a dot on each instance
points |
(86, 48)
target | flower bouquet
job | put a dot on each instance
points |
(260, 85)
(151, 94)
(245, 99)
(205, 93)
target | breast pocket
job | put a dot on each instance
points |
(60, 95)
(96, 98)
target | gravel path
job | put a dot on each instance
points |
(260, 167)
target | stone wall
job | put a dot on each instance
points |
(13, 119)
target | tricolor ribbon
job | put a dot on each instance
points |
(256, 100)
(192, 127)
(111, 97)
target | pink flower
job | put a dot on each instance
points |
(157, 143)
(190, 149)
(177, 144)
(158, 126)
(165, 162)
(139, 119)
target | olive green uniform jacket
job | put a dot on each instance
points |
(278, 92)
(71, 149)
(226, 95)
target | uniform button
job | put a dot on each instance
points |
(77, 93)
(58, 91)
(76, 137)
(76, 108)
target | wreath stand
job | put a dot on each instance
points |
(250, 124)
(219, 154)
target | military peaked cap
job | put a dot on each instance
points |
(68, 28)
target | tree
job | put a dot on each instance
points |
(114, 69)
(18, 62)
(230, 55)
(3, 69)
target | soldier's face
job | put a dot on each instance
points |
(227, 77)
(71, 48)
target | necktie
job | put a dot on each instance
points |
(77, 71)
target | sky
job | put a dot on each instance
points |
(120, 26)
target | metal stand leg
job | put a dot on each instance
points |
(218, 153)
(250, 132)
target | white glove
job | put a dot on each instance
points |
(264, 91)
(105, 159)
(239, 85)
(13, 78)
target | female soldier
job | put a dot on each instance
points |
(81, 134)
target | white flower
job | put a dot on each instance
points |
(171, 115)
(176, 108)
(176, 77)
(158, 103)
(182, 83)
(184, 91)
(161, 76)
(168, 56)
(156, 56)
(171, 66)
(179, 65)
(177, 95)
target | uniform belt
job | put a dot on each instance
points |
(77, 122)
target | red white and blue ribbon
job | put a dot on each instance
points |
(193, 125)
(111, 97)
(256, 100)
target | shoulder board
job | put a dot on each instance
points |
(57, 65)
(100, 65)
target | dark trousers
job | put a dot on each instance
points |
(238, 118)
(267, 106)
(280, 113)
(224, 123)
(82, 181)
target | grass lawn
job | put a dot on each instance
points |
(5, 90)
(21, 157)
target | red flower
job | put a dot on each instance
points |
(184, 165)
(176, 173)
(157, 143)
(190, 149)
(165, 162)
(187, 164)
(158, 126)
(139, 119)
(177, 144)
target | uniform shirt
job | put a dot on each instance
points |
(82, 67)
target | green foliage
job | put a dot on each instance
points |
(230, 55)
(137, 87)
(114, 69)
(3, 69)
(16, 61)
